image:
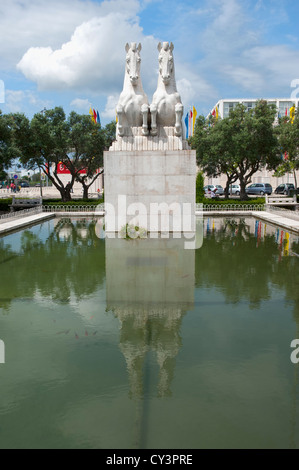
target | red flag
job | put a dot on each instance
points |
(286, 113)
(95, 116)
(214, 112)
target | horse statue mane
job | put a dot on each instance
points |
(132, 108)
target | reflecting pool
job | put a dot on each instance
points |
(123, 344)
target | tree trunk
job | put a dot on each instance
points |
(65, 194)
(243, 194)
(226, 191)
(85, 191)
(295, 181)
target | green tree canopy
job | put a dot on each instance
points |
(239, 145)
(288, 136)
(51, 139)
(8, 149)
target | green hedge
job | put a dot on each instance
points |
(237, 202)
(73, 202)
(4, 204)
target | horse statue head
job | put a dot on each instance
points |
(166, 66)
(133, 61)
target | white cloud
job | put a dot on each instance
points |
(43, 23)
(246, 78)
(17, 100)
(194, 90)
(81, 104)
(278, 65)
(93, 59)
(110, 108)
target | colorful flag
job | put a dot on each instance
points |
(95, 115)
(98, 118)
(194, 119)
(214, 112)
(187, 125)
(286, 113)
(286, 156)
(190, 122)
(292, 113)
(92, 115)
(217, 113)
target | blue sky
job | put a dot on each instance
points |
(71, 52)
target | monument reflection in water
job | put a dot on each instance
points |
(150, 286)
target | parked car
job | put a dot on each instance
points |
(234, 189)
(220, 189)
(24, 184)
(284, 188)
(259, 188)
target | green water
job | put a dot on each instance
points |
(143, 344)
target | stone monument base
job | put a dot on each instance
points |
(154, 190)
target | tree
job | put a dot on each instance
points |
(288, 136)
(209, 140)
(8, 151)
(87, 141)
(109, 134)
(239, 145)
(50, 140)
(44, 143)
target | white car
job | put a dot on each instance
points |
(235, 189)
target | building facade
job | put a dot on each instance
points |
(283, 105)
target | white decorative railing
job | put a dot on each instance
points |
(84, 208)
(20, 214)
(229, 207)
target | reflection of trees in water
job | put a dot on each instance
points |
(240, 269)
(57, 268)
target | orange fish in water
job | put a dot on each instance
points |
(86, 334)
(92, 316)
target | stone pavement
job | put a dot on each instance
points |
(278, 219)
(270, 217)
(15, 224)
(48, 192)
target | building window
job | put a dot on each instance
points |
(228, 106)
(249, 104)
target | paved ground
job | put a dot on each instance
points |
(284, 222)
(50, 193)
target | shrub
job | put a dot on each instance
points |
(4, 204)
(200, 192)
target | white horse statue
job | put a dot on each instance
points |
(133, 107)
(166, 108)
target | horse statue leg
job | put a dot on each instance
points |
(179, 109)
(153, 111)
(120, 110)
(144, 111)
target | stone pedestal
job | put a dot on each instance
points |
(158, 186)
